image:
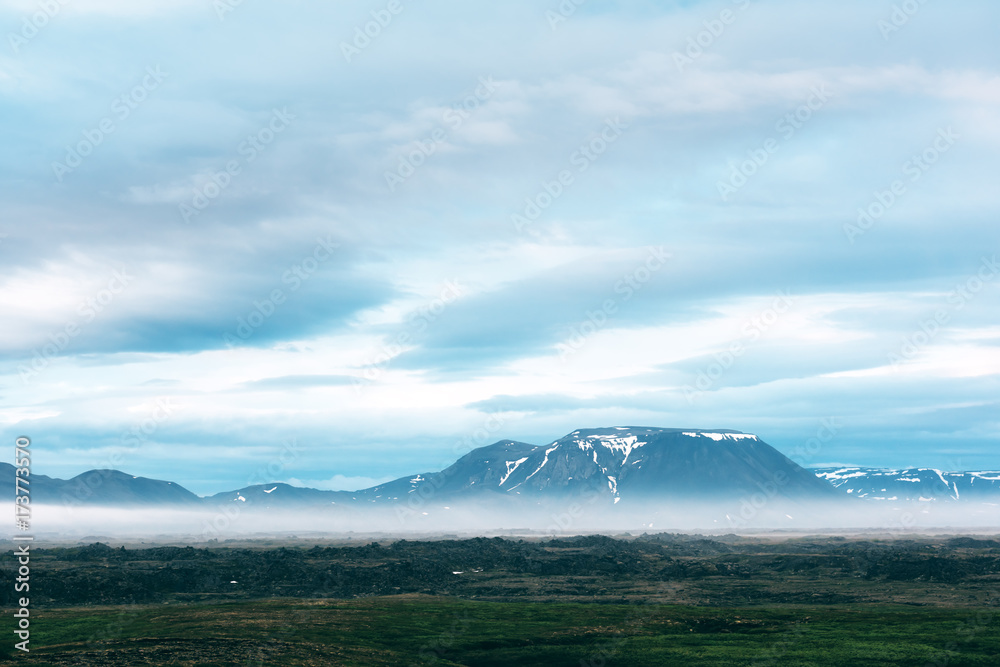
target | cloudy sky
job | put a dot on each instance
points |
(344, 242)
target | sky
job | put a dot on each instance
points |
(341, 243)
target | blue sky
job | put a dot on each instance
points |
(239, 236)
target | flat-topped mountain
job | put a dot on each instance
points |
(622, 463)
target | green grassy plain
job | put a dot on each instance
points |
(432, 630)
(585, 601)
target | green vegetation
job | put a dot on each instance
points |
(424, 630)
(582, 602)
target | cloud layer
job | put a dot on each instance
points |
(387, 237)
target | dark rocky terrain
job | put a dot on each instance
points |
(688, 569)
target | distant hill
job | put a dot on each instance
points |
(266, 496)
(100, 487)
(914, 484)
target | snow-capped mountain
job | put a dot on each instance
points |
(619, 463)
(914, 484)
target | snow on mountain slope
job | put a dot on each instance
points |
(914, 484)
(619, 463)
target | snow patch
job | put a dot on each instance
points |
(544, 461)
(615, 443)
(512, 469)
(837, 475)
(719, 437)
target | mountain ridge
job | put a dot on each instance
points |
(913, 484)
(628, 464)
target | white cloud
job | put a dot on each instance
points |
(113, 8)
(340, 483)
(17, 416)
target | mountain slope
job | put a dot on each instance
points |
(914, 484)
(634, 463)
(631, 465)
(111, 488)
(279, 494)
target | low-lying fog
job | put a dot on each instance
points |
(237, 521)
